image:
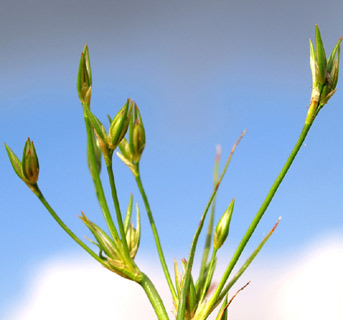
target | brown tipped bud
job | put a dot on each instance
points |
(30, 163)
(137, 135)
(84, 77)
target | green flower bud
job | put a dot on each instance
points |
(128, 214)
(119, 125)
(320, 58)
(223, 226)
(30, 163)
(125, 150)
(126, 156)
(133, 236)
(97, 155)
(113, 250)
(324, 75)
(84, 77)
(331, 75)
(191, 299)
(104, 242)
(137, 135)
(99, 130)
(16, 164)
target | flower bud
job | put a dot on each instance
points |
(191, 298)
(133, 236)
(119, 125)
(124, 148)
(137, 135)
(332, 74)
(324, 75)
(126, 156)
(223, 226)
(84, 77)
(15, 162)
(128, 214)
(99, 130)
(104, 242)
(114, 257)
(30, 163)
(97, 156)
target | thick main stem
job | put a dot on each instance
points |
(154, 297)
(156, 237)
(259, 215)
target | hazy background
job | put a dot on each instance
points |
(200, 72)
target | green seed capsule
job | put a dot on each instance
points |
(223, 226)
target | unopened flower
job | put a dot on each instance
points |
(223, 226)
(324, 74)
(84, 77)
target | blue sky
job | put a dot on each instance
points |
(200, 72)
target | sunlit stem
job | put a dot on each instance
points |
(209, 275)
(154, 297)
(183, 297)
(247, 262)
(155, 233)
(118, 213)
(97, 182)
(259, 215)
(63, 225)
(210, 223)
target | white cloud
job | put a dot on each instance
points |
(305, 285)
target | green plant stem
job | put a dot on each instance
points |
(118, 213)
(97, 182)
(154, 297)
(155, 233)
(63, 226)
(209, 276)
(183, 297)
(259, 215)
(247, 263)
(210, 224)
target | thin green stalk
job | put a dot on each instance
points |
(97, 182)
(63, 226)
(118, 212)
(154, 297)
(259, 215)
(182, 300)
(209, 276)
(155, 233)
(210, 224)
(247, 263)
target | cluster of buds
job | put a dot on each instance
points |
(118, 128)
(195, 301)
(111, 250)
(28, 168)
(324, 75)
(132, 150)
(108, 142)
(192, 296)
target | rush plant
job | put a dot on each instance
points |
(116, 247)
